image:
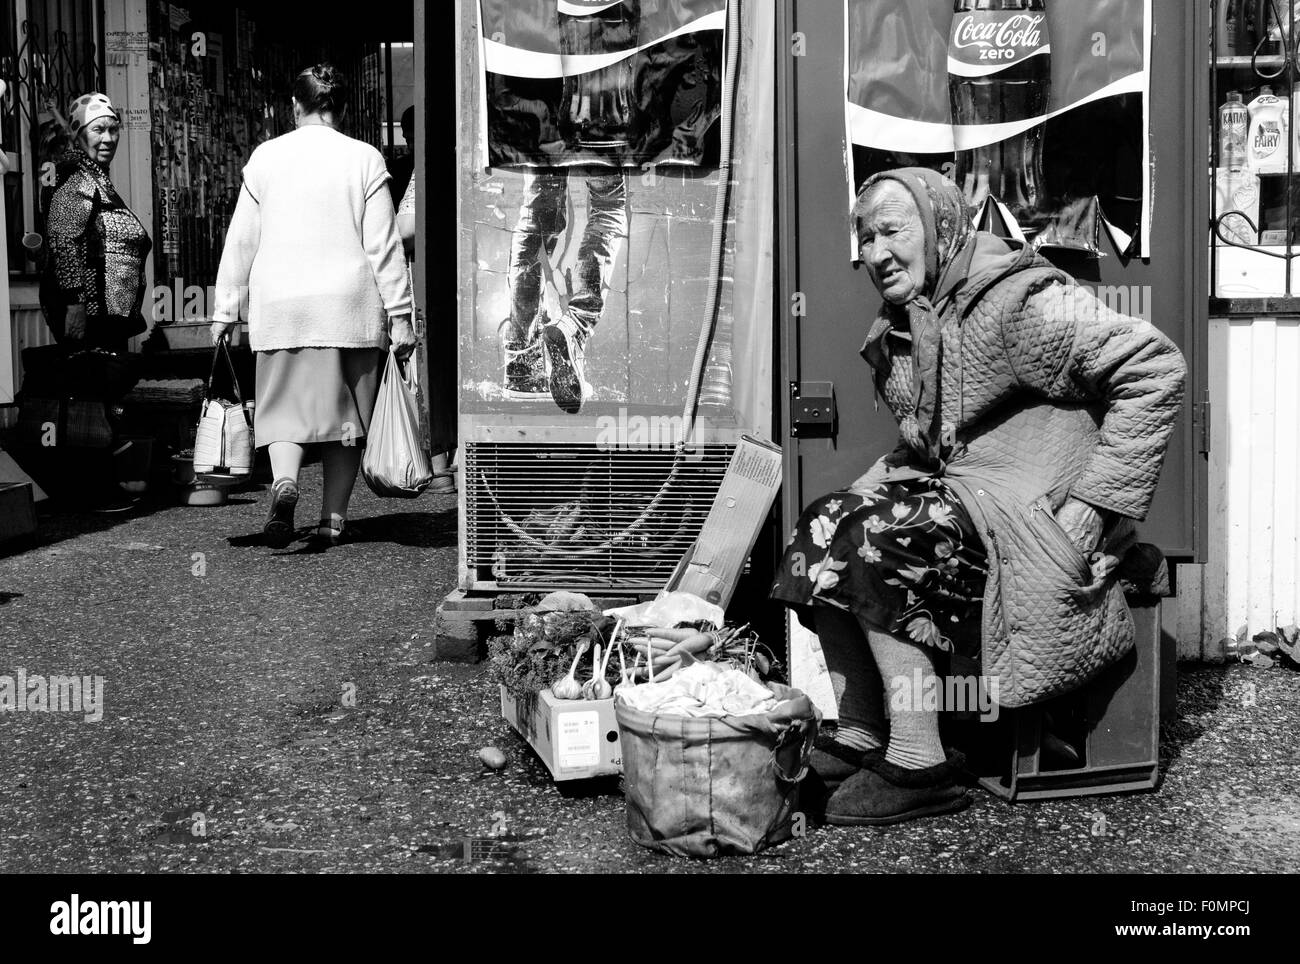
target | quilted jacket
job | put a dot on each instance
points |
(1045, 393)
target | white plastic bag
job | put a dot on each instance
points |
(395, 464)
(670, 608)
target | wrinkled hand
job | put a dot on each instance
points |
(1102, 565)
(1082, 523)
(219, 330)
(402, 337)
(75, 323)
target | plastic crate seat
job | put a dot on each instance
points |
(1103, 738)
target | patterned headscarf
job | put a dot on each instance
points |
(949, 233)
(949, 247)
(90, 107)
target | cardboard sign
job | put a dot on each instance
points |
(744, 499)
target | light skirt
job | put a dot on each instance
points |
(308, 395)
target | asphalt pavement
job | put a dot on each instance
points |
(273, 711)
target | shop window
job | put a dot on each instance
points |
(1255, 156)
(48, 57)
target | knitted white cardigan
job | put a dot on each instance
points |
(312, 256)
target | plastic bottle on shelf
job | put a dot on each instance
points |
(1227, 29)
(1234, 123)
(1244, 34)
(1237, 197)
(1268, 135)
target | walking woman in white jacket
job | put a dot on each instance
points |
(313, 246)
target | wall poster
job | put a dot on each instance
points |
(592, 192)
(1039, 110)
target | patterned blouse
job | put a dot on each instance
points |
(97, 251)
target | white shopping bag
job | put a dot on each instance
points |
(223, 442)
(395, 464)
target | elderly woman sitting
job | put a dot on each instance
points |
(1033, 422)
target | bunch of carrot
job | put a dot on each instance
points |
(668, 650)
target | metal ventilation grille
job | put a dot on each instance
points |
(555, 516)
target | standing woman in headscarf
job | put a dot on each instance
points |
(1033, 422)
(94, 285)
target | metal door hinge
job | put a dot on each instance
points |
(812, 409)
(1201, 425)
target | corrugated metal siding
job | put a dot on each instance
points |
(1248, 583)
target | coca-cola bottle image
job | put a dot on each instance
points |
(596, 106)
(999, 72)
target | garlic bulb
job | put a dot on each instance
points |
(569, 688)
(589, 687)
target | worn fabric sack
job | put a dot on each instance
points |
(395, 464)
(713, 786)
(223, 442)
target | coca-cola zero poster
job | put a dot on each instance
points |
(622, 83)
(1037, 108)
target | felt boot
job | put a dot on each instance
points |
(883, 793)
(829, 765)
(835, 762)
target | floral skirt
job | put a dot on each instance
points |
(906, 558)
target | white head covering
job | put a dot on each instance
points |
(90, 107)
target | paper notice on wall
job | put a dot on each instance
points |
(134, 118)
(126, 41)
(125, 48)
(578, 742)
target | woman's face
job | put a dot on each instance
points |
(99, 139)
(892, 241)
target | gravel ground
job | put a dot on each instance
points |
(227, 744)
